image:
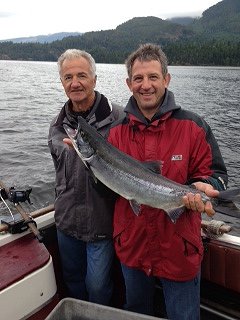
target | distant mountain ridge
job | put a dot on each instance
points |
(213, 39)
(221, 20)
(44, 38)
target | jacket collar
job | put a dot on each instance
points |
(99, 113)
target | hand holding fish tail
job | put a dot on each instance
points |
(194, 201)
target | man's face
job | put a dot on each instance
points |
(78, 82)
(148, 85)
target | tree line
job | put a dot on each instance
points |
(214, 52)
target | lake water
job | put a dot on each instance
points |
(31, 95)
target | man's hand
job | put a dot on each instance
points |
(194, 201)
(68, 142)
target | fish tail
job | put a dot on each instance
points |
(230, 194)
(226, 202)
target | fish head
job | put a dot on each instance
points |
(80, 142)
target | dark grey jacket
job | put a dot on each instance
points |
(83, 209)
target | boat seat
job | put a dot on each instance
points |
(20, 258)
(221, 265)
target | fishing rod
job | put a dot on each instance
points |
(17, 226)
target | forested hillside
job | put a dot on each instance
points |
(213, 39)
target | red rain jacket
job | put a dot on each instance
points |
(184, 144)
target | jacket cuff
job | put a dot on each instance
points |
(218, 184)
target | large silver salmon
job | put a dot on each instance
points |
(134, 180)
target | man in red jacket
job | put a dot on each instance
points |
(149, 244)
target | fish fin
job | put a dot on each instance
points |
(136, 207)
(153, 166)
(175, 213)
(228, 208)
(226, 203)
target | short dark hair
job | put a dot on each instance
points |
(147, 52)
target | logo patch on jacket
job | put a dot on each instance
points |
(176, 157)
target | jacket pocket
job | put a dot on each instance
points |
(191, 245)
(117, 236)
(122, 235)
(189, 248)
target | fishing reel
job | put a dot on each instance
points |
(16, 196)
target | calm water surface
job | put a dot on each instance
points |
(31, 95)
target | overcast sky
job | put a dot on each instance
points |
(24, 18)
